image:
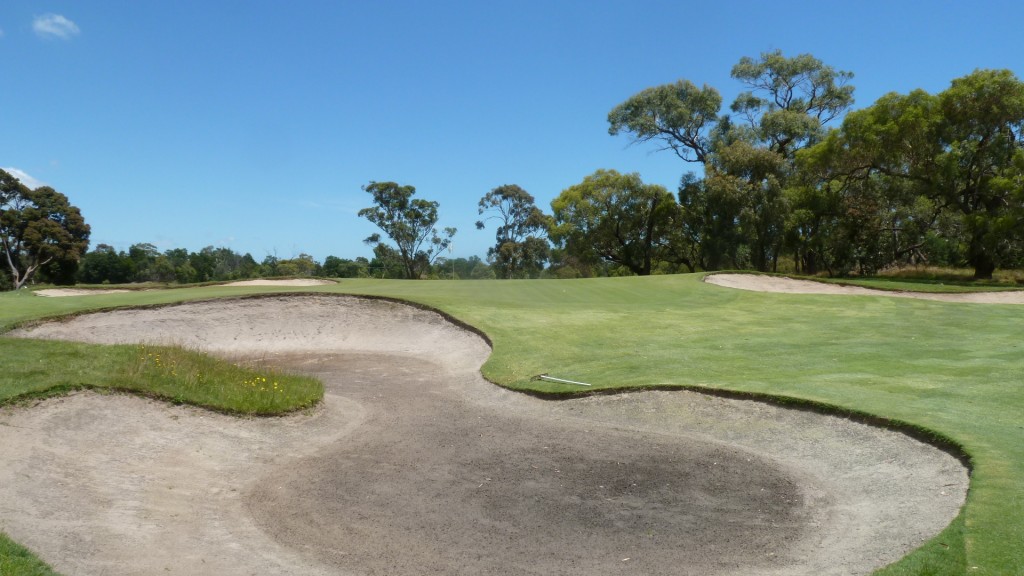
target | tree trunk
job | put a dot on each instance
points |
(810, 266)
(980, 258)
(983, 269)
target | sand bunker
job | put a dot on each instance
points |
(779, 284)
(415, 465)
(60, 292)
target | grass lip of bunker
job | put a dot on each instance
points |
(424, 465)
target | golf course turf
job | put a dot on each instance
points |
(948, 369)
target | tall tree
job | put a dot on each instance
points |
(409, 222)
(747, 156)
(679, 115)
(615, 218)
(37, 227)
(521, 245)
(790, 100)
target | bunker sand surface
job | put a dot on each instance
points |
(62, 292)
(783, 285)
(416, 465)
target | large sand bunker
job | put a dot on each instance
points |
(62, 292)
(783, 285)
(415, 465)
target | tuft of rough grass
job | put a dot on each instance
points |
(40, 368)
(919, 285)
(186, 376)
(953, 275)
(15, 560)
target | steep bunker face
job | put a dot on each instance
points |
(416, 465)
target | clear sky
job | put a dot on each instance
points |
(252, 124)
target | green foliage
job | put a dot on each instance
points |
(860, 226)
(386, 263)
(962, 150)
(916, 177)
(37, 227)
(614, 218)
(706, 230)
(105, 265)
(680, 115)
(335, 267)
(409, 223)
(302, 265)
(143, 263)
(738, 215)
(790, 99)
(463, 268)
(753, 177)
(521, 247)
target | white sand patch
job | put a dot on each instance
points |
(782, 285)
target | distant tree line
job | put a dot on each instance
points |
(145, 263)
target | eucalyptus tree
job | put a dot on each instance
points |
(747, 155)
(410, 223)
(521, 245)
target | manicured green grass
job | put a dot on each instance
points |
(951, 369)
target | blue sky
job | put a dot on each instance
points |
(253, 124)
